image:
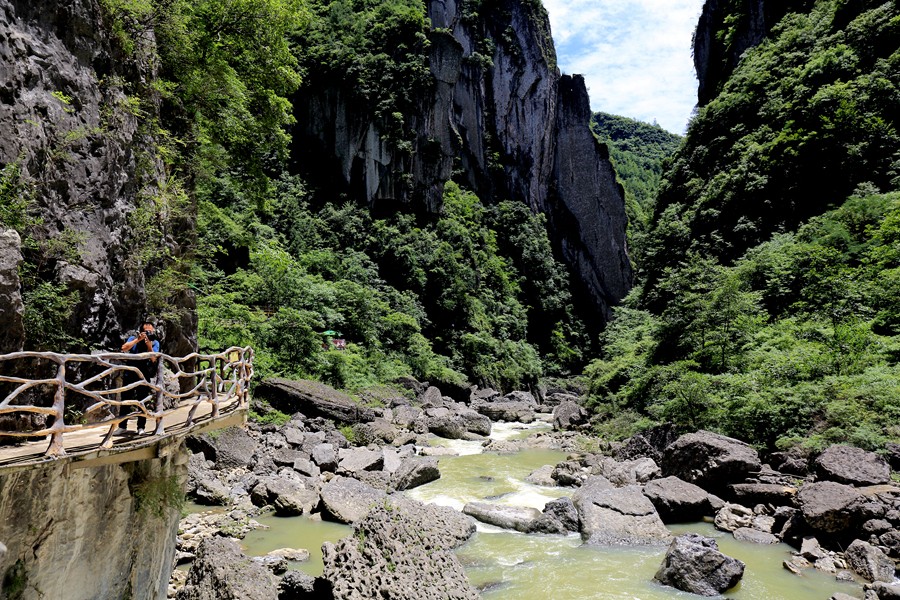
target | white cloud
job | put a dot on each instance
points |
(635, 55)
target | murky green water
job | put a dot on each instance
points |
(295, 532)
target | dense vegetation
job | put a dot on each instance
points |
(638, 151)
(757, 318)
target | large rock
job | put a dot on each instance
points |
(506, 411)
(313, 399)
(751, 494)
(403, 550)
(854, 466)
(709, 460)
(222, 572)
(828, 506)
(348, 500)
(733, 516)
(12, 310)
(612, 515)
(628, 472)
(676, 500)
(694, 564)
(234, 448)
(569, 415)
(289, 497)
(869, 562)
(446, 425)
(519, 518)
(474, 422)
(203, 485)
(415, 471)
(564, 511)
(354, 460)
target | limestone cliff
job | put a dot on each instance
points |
(500, 119)
(726, 30)
(71, 134)
(104, 532)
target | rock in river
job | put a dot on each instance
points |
(694, 564)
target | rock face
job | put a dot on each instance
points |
(612, 516)
(517, 128)
(96, 532)
(694, 564)
(402, 550)
(709, 460)
(12, 327)
(222, 572)
(75, 149)
(714, 58)
(854, 466)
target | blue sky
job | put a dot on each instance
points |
(635, 55)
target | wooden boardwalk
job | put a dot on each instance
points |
(83, 447)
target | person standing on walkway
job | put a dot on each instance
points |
(144, 341)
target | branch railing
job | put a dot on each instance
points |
(114, 388)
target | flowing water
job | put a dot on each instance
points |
(513, 566)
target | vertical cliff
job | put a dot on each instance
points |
(104, 532)
(496, 117)
(726, 30)
(75, 147)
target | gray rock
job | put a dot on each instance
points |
(854, 466)
(306, 467)
(876, 526)
(203, 484)
(415, 471)
(506, 411)
(222, 572)
(569, 473)
(293, 435)
(891, 541)
(296, 585)
(520, 396)
(289, 497)
(313, 399)
(378, 431)
(842, 596)
(709, 460)
(12, 309)
(286, 457)
(405, 416)
(569, 415)
(677, 500)
(276, 564)
(810, 549)
(748, 534)
(750, 494)
(885, 591)
(325, 457)
(629, 472)
(474, 422)
(564, 511)
(827, 506)
(796, 565)
(542, 476)
(402, 550)
(519, 518)
(869, 562)
(733, 516)
(431, 397)
(694, 564)
(349, 500)
(234, 448)
(353, 460)
(446, 425)
(611, 515)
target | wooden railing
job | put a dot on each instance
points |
(214, 378)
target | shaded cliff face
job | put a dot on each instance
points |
(497, 118)
(83, 160)
(727, 29)
(87, 533)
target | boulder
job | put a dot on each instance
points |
(694, 564)
(234, 448)
(521, 396)
(203, 485)
(751, 494)
(519, 518)
(810, 549)
(431, 397)
(676, 500)
(709, 460)
(353, 460)
(853, 466)
(569, 415)
(378, 431)
(415, 471)
(749, 534)
(222, 572)
(612, 515)
(325, 457)
(483, 395)
(306, 467)
(564, 511)
(446, 425)
(885, 591)
(869, 561)
(733, 516)
(348, 500)
(296, 585)
(570, 473)
(506, 411)
(650, 443)
(827, 506)
(403, 550)
(629, 472)
(542, 476)
(313, 399)
(287, 456)
(474, 422)
(406, 416)
(289, 497)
